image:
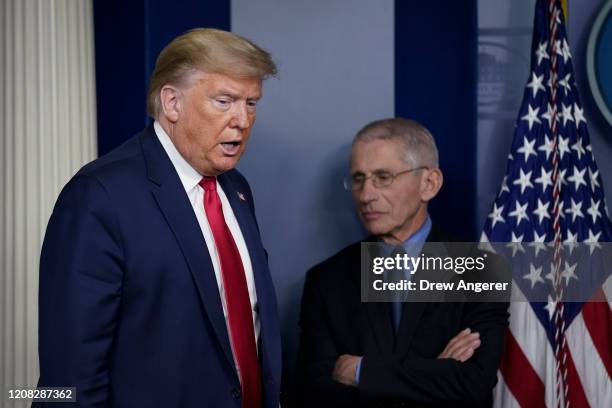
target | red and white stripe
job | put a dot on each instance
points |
(527, 376)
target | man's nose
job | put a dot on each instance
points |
(368, 192)
(241, 116)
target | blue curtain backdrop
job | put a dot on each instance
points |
(128, 37)
(435, 83)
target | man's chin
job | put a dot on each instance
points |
(225, 164)
(374, 228)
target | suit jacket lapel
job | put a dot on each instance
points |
(269, 340)
(380, 321)
(378, 314)
(248, 227)
(413, 311)
(411, 315)
(174, 204)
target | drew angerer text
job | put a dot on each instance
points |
(424, 285)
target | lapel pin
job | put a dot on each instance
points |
(240, 196)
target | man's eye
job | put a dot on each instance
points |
(384, 176)
(222, 103)
(358, 178)
(252, 104)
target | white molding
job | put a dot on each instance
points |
(48, 122)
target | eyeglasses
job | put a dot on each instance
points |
(380, 179)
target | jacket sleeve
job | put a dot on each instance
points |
(318, 353)
(81, 274)
(413, 377)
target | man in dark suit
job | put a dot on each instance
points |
(154, 283)
(355, 353)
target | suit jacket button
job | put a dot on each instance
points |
(236, 394)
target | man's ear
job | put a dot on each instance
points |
(171, 100)
(431, 182)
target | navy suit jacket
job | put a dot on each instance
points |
(398, 369)
(130, 312)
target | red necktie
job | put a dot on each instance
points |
(236, 297)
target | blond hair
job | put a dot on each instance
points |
(207, 50)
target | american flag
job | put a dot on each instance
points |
(557, 353)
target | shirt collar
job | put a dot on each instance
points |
(414, 244)
(189, 176)
(421, 234)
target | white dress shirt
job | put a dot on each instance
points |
(190, 179)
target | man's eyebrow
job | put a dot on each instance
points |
(226, 92)
(375, 171)
(235, 95)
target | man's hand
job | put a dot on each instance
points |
(461, 347)
(345, 369)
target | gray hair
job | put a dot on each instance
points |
(419, 144)
(208, 50)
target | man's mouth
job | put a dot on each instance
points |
(371, 215)
(231, 148)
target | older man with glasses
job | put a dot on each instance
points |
(354, 353)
